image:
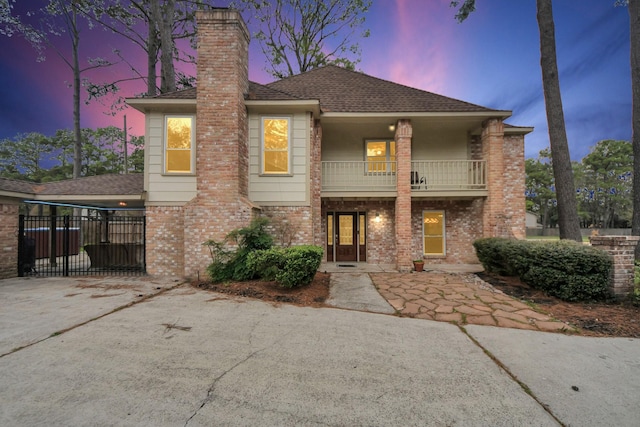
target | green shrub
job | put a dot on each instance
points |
(266, 263)
(565, 269)
(289, 267)
(232, 265)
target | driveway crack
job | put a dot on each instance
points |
(212, 388)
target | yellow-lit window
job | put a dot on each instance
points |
(363, 228)
(433, 232)
(275, 146)
(381, 156)
(345, 230)
(330, 230)
(179, 145)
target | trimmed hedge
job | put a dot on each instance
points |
(289, 267)
(565, 269)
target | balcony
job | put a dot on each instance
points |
(430, 178)
(449, 176)
(359, 177)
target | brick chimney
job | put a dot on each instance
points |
(221, 123)
(222, 154)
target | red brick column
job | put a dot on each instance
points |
(621, 249)
(316, 183)
(9, 240)
(493, 217)
(513, 186)
(404, 256)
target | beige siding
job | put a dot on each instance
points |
(347, 142)
(170, 189)
(281, 190)
(440, 144)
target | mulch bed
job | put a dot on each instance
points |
(599, 319)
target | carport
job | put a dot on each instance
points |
(93, 226)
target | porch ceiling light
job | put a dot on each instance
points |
(123, 204)
(392, 127)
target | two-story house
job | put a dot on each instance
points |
(371, 170)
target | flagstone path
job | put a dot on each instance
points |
(459, 298)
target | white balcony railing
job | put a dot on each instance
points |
(443, 175)
(426, 175)
(358, 176)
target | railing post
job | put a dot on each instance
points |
(65, 246)
(21, 245)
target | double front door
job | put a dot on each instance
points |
(346, 236)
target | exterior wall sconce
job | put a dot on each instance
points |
(392, 127)
(377, 219)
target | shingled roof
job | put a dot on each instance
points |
(100, 185)
(16, 186)
(179, 94)
(95, 187)
(345, 91)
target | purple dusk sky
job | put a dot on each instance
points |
(492, 59)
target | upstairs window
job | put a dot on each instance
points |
(381, 156)
(179, 145)
(276, 146)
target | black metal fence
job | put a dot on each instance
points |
(102, 244)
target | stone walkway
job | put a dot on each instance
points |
(459, 298)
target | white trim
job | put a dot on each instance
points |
(289, 120)
(443, 114)
(193, 145)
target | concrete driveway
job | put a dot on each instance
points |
(182, 356)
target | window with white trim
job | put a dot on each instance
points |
(380, 155)
(433, 235)
(276, 145)
(179, 145)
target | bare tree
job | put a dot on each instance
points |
(299, 35)
(154, 26)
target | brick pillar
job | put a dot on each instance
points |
(513, 186)
(494, 222)
(316, 183)
(222, 161)
(9, 240)
(621, 249)
(403, 136)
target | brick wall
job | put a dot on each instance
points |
(513, 187)
(290, 225)
(622, 251)
(492, 139)
(165, 240)
(463, 225)
(8, 240)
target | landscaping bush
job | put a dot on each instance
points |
(232, 265)
(289, 267)
(565, 269)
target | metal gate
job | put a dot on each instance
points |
(102, 244)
